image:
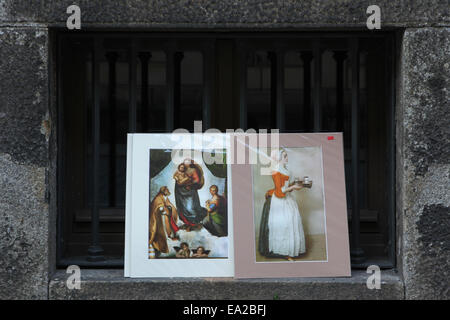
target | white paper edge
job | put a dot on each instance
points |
(136, 259)
(128, 206)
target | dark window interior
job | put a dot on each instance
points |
(112, 84)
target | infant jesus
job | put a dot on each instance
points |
(181, 176)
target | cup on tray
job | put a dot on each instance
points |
(307, 182)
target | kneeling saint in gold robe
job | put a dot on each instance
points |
(163, 219)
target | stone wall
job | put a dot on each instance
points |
(228, 13)
(24, 163)
(28, 120)
(423, 125)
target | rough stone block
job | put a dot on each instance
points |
(110, 284)
(228, 13)
(24, 132)
(424, 170)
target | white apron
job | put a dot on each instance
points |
(286, 235)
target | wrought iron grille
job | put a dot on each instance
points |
(113, 83)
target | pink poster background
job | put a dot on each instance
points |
(338, 263)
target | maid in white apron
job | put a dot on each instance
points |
(281, 229)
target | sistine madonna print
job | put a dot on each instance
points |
(188, 210)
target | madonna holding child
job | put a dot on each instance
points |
(188, 180)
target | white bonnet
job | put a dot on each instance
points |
(275, 155)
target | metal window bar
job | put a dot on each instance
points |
(170, 74)
(95, 251)
(280, 111)
(242, 55)
(273, 88)
(317, 60)
(177, 58)
(356, 252)
(276, 89)
(132, 83)
(306, 57)
(340, 57)
(208, 83)
(112, 59)
(145, 58)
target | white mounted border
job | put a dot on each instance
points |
(137, 262)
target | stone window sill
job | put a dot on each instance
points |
(110, 284)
